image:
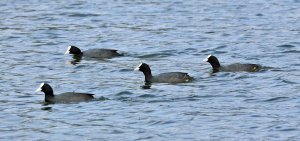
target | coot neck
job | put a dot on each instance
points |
(78, 55)
(214, 62)
(48, 94)
(48, 98)
(76, 51)
(147, 74)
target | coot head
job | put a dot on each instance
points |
(46, 88)
(73, 50)
(214, 62)
(145, 68)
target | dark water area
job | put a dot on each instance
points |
(169, 35)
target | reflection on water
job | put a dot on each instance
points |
(76, 59)
(147, 85)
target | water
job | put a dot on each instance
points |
(169, 35)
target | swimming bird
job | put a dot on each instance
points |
(93, 53)
(68, 97)
(168, 77)
(214, 62)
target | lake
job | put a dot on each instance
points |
(169, 35)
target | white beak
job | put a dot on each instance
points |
(138, 67)
(68, 50)
(40, 88)
(206, 59)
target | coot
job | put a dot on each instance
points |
(232, 67)
(93, 53)
(69, 97)
(168, 77)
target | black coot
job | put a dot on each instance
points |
(69, 97)
(169, 77)
(231, 68)
(93, 53)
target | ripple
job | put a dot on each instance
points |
(46, 108)
(147, 96)
(277, 99)
(289, 129)
(81, 15)
(286, 46)
(102, 98)
(292, 51)
(157, 55)
(259, 14)
(124, 93)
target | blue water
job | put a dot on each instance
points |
(169, 35)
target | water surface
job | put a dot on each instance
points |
(169, 35)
